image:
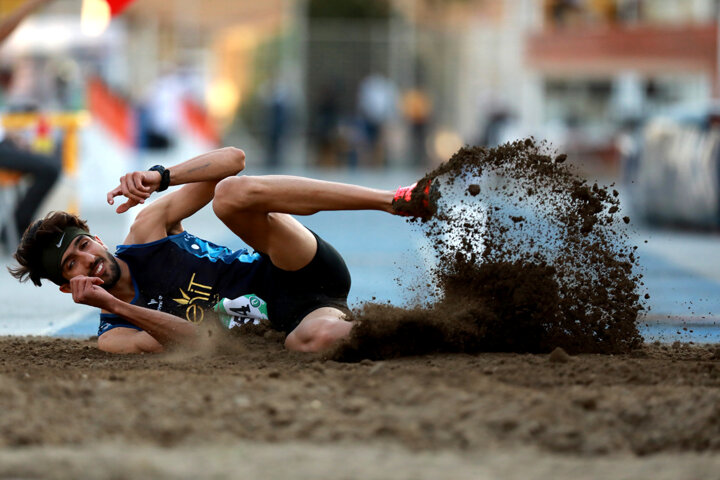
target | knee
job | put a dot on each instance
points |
(324, 335)
(235, 193)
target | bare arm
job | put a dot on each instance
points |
(199, 176)
(128, 340)
(208, 167)
(211, 166)
(167, 330)
(11, 22)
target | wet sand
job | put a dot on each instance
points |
(249, 408)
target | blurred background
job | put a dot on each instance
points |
(380, 91)
(375, 83)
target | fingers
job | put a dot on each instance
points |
(80, 287)
(126, 206)
(139, 179)
(133, 186)
(112, 194)
(143, 183)
(85, 290)
(127, 183)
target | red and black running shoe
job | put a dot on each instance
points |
(417, 200)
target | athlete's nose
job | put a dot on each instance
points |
(87, 260)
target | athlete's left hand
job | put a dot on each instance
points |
(136, 187)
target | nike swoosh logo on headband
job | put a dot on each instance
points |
(61, 239)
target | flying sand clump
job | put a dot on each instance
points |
(529, 258)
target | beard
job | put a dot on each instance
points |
(112, 271)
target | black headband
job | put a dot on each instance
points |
(52, 254)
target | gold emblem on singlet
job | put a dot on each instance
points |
(194, 293)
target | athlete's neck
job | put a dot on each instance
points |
(124, 289)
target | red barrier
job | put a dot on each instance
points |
(200, 122)
(113, 112)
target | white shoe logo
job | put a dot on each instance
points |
(61, 239)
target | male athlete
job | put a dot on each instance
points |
(163, 281)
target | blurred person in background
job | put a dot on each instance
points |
(326, 121)
(377, 105)
(42, 170)
(498, 128)
(417, 108)
(161, 113)
(277, 100)
(565, 12)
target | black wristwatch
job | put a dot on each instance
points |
(164, 176)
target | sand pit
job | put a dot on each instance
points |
(522, 361)
(68, 408)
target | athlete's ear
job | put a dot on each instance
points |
(65, 288)
(97, 239)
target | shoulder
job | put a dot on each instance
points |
(135, 243)
(150, 225)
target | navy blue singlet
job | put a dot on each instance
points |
(186, 276)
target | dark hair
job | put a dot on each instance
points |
(37, 236)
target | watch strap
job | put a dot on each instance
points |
(164, 176)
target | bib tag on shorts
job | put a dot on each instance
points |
(234, 312)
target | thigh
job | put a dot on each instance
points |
(286, 241)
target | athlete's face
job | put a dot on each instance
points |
(88, 256)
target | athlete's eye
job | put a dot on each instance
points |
(83, 245)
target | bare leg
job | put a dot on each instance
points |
(301, 196)
(318, 331)
(257, 208)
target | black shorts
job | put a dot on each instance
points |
(324, 282)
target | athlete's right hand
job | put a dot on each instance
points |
(87, 290)
(136, 187)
